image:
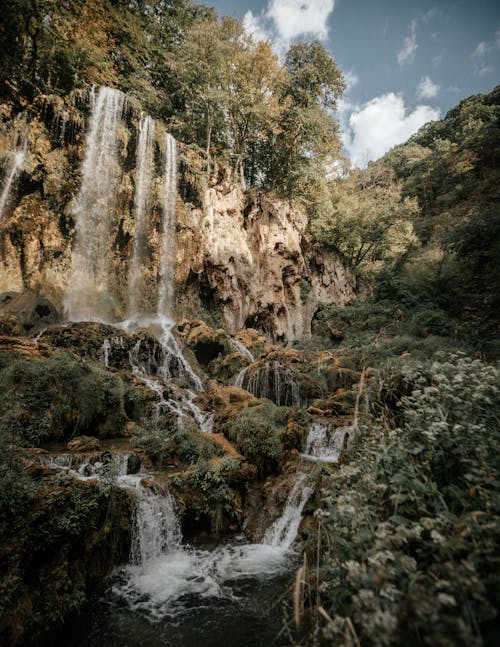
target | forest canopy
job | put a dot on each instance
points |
(212, 83)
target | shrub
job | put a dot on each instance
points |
(411, 523)
(257, 433)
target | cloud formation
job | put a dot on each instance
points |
(407, 53)
(427, 89)
(372, 129)
(481, 53)
(284, 20)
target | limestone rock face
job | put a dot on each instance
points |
(243, 258)
(246, 257)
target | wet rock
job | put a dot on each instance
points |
(84, 444)
(206, 343)
(106, 458)
(133, 464)
(27, 311)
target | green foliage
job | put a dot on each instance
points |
(59, 397)
(257, 432)
(213, 84)
(167, 445)
(369, 220)
(214, 494)
(64, 533)
(411, 522)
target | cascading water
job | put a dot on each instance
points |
(156, 529)
(272, 380)
(142, 212)
(11, 170)
(164, 574)
(166, 277)
(326, 446)
(239, 347)
(284, 530)
(87, 298)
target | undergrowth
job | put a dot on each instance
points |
(409, 527)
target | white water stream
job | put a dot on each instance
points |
(142, 213)
(87, 298)
(11, 170)
(324, 445)
(165, 577)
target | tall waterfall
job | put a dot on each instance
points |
(166, 279)
(142, 210)
(88, 293)
(12, 168)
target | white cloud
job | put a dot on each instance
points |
(427, 89)
(295, 17)
(254, 26)
(284, 20)
(350, 79)
(437, 60)
(371, 130)
(407, 53)
(483, 51)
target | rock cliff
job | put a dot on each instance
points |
(242, 258)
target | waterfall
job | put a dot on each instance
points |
(94, 466)
(88, 295)
(240, 378)
(142, 211)
(239, 347)
(166, 279)
(172, 364)
(156, 528)
(272, 380)
(283, 531)
(12, 168)
(326, 446)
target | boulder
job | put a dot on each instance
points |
(84, 444)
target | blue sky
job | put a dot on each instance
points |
(406, 61)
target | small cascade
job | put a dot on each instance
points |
(239, 347)
(11, 170)
(240, 378)
(272, 380)
(283, 531)
(107, 347)
(166, 279)
(166, 577)
(88, 297)
(94, 466)
(173, 365)
(326, 446)
(142, 212)
(156, 527)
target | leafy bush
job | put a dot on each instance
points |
(213, 494)
(257, 432)
(411, 525)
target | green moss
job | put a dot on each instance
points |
(257, 432)
(60, 397)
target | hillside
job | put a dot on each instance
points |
(244, 400)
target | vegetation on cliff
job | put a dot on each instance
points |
(210, 82)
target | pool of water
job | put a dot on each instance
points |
(247, 612)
